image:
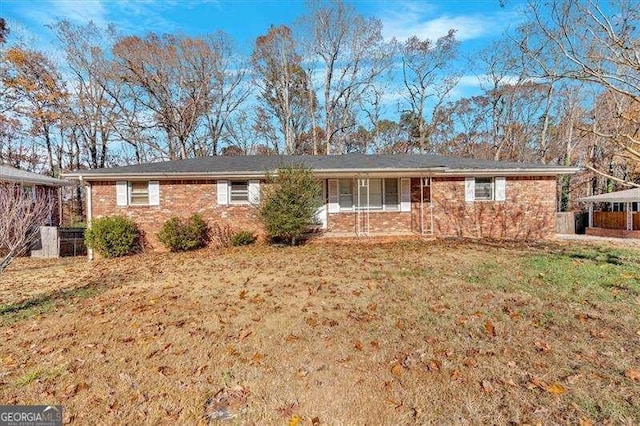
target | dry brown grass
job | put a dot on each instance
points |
(385, 333)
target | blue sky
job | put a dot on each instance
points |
(478, 22)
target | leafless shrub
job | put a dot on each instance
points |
(221, 235)
(22, 213)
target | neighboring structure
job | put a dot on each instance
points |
(619, 216)
(362, 194)
(37, 185)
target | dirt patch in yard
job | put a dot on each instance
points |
(403, 332)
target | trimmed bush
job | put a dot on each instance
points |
(288, 207)
(179, 235)
(243, 238)
(113, 236)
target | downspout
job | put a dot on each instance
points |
(421, 204)
(60, 219)
(89, 211)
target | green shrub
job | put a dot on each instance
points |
(113, 236)
(178, 235)
(243, 238)
(289, 204)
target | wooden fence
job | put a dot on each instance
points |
(58, 242)
(565, 223)
(614, 220)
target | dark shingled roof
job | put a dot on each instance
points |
(11, 174)
(320, 163)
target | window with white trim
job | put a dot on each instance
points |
(345, 190)
(391, 194)
(370, 194)
(484, 189)
(239, 192)
(139, 193)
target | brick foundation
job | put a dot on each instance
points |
(612, 233)
(392, 222)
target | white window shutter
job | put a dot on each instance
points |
(500, 188)
(334, 197)
(469, 189)
(154, 193)
(254, 191)
(122, 193)
(405, 199)
(223, 192)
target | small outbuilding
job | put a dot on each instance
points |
(615, 214)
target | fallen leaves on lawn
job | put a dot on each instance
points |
(9, 362)
(632, 374)
(295, 420)
(542, 346)
(434, 365)
(166, 370)
(227, 403)
(556, 389)
(396, 369)
(286, 411)
(244, 333)
(490, 329)
(73, 389)
(487, 386)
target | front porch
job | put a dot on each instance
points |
(619, 216)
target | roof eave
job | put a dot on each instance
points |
(327, 173)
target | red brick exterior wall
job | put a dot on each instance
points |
(177, 198)
(528, 212)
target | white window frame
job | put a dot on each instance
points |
(230, 193)
(125, 189)
(130, 193)
(354, 194)
(340, 194)
(492, 182)
(498, 189)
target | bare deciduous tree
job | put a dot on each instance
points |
(283, 83)
(598, 45)
(22, 215)
(352, 54)
(37, 93)
(427, 77)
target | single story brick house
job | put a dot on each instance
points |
(37, 185)
(363, 195)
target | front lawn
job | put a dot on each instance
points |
(329, 333)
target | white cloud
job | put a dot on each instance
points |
(78, 12)
(421, 20)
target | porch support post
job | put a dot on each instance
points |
(590, 215)
(629, 217)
